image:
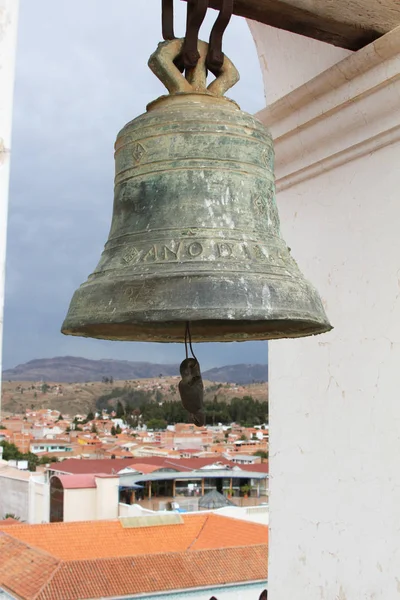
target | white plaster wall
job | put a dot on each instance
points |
(41, 512)
(107, 496)
(14, 497)
(335, 413)
(288, 60)
(255, 514)
(80, 505)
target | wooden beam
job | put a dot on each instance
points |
(350, 24)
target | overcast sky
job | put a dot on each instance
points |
(81, 75)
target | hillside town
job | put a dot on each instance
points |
(130, 470)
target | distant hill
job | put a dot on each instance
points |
(72, 369)
(241, 374)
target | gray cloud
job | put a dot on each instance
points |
(81, 75)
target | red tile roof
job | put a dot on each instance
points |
(162, 572)
(109, 466)
(257, 468)
(191, 464)
(82, 560)
(107, 539)
(23, 570)
(144, 468)
(76, 482)
(9, 521)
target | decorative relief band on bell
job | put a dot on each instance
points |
(205, 250)
(201, 254)
(166, 152)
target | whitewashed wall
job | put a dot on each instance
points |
(14, 497)
(107, 495)
(80, 505)
(39, 499)
(334, 407)
(287, 60)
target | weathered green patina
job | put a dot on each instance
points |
(195, 230)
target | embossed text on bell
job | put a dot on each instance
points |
(195, 233)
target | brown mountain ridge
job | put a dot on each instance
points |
(71, 369)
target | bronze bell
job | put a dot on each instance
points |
(195, 229)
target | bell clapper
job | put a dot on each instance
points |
(191, 388)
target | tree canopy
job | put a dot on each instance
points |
(11, 452)
(136, 406)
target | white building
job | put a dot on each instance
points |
(24, 494)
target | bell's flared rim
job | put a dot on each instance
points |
(202, 329)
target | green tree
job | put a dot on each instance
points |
(156, 424)
(118, 429)
(132, 404)
(262, 453)
(94, 428)
(90, 416)
(113, 430)
(32, 459)
(10, 451)
(120, 410)
(43, 460)
(45, 387)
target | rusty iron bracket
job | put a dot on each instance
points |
(196, 12)
(215, 56)
(167, 18)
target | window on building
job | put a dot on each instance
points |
(190, 487)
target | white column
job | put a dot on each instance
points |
(334, 405)
(8, 43)
(107, 493)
